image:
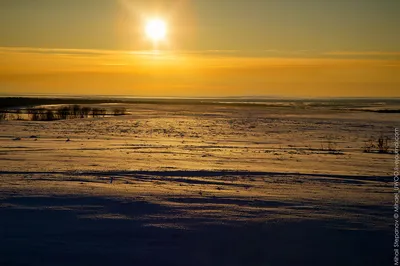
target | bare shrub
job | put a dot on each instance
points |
(41, 114)
(34, 114)
(3, 116)
(86, 111)
(63, 112)
(102, 112)
(119, 111)
(75, 110)
(379, 144)
(18, 113)
(383, 144)
(49, 115)
(369, 145)
(95, 112)
(331, 145)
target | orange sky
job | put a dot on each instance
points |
(212, 48)
(198, 73)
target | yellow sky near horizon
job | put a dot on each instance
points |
(196, 73)
(208, 48)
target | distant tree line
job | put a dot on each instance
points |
(12, 102)
(61, 113)
(15, 102)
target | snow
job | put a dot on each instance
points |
(197, 185)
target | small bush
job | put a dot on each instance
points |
(86, 111)
(75, 110)
(331, 145)
(3, 116)
(49, 115)
(63, 112)
(119, 111)
(95, 112)
(383, 144)
(33, 114)
(369, 145)
(18, 113)
(102, 112)
(379, 144)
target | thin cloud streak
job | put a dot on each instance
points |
(363, 53)
(269, 53)
(263, 54)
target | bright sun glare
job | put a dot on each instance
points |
(156, 29)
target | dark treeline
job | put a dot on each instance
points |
(393, 111)
(10, 102)
(14, 102)
(60, 113)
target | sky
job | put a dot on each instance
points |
(308, 48)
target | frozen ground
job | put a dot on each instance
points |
(197, 185)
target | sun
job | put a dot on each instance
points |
(156, 29)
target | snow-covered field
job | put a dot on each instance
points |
(178, 184)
